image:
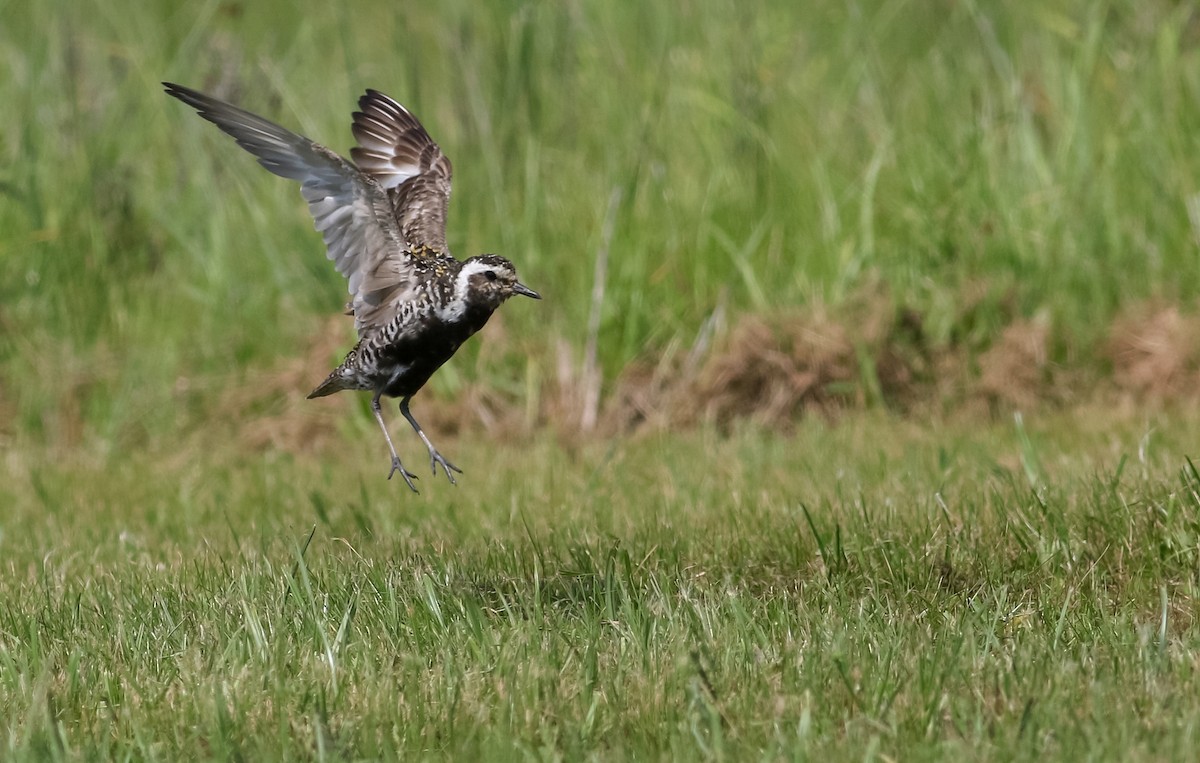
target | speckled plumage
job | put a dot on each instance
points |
(383, 219)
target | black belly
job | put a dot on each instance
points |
(413, 361)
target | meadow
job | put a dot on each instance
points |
(858, 421)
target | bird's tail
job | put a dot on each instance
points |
(341, 378)
(336, 382)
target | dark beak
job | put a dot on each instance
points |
(520, 288)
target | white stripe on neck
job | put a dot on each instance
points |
(453, 310)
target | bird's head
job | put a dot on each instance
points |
(489, 279)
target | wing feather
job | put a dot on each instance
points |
(350, 208)
(396, 150)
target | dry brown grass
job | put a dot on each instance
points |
(1155, 352)
(1015, 371)
(767, 369)
(772, 369)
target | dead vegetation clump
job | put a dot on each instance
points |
(1155, 352)
(772, 369)
(1015, 371)
(646, 396)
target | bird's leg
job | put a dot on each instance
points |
(435, 458)
(396, 465)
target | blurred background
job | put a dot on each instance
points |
(735, 210)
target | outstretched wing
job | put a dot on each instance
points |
(351, 209)
(394, 149)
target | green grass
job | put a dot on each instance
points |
(874, 590)
(971, 587)
(980, 160)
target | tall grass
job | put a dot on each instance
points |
(768, 155)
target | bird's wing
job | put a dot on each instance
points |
(394, 149)
(351, 209)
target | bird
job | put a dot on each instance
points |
(382, 214)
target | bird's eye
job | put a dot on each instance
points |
(490, 275)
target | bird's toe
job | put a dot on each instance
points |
(406, 474)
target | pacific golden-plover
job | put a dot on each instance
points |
(383, 217)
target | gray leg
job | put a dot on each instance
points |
(396, 465)
(435, 458)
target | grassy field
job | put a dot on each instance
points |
(195, 563)
(871, 590)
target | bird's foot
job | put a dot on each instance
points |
(436, 458)
(406, 474)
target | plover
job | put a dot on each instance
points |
(383, 217)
